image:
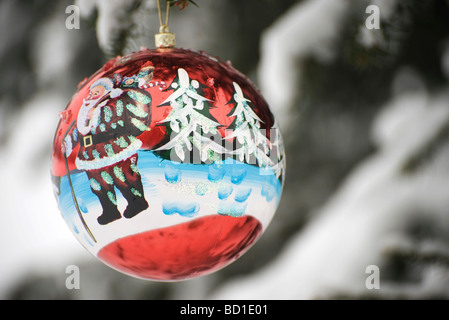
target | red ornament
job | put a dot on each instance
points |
(167, 164)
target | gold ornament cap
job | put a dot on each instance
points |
(165, 39)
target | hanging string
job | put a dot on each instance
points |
(164, 39)
(163, 26)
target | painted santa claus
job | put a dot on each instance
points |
(107, 128)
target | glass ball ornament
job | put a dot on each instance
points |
(167, 164)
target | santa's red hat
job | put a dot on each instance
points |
(147, 66)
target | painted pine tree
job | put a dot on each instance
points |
(252, 144)
(193, 127)
(277, 153)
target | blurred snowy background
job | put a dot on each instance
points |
(364, 114)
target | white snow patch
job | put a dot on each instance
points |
(110, 19)
(308, 29)
(52, 54)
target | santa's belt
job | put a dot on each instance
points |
(90, 139)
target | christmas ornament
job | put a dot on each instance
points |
(167, 163)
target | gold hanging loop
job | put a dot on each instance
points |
(164, 39)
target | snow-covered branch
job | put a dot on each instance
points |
(114, 21)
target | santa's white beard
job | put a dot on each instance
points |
(85, 125)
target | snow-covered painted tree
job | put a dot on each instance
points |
(251, 138)
(253, 144)
(277, 151)
(192, 125)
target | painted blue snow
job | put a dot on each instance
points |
(224, 191)
(232, 170)
(172, 173)
(243, 194)
(269, 190)
(83, 195)
(82, 206)
(188, 209)
(233, 209)
(216, 172)
(238, 172)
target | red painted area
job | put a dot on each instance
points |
(185, 250)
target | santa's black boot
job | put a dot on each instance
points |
(110, 212)
(136, 203)
(137, 206)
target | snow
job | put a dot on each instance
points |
(112, 19)
(49, 65)
(290, 40)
